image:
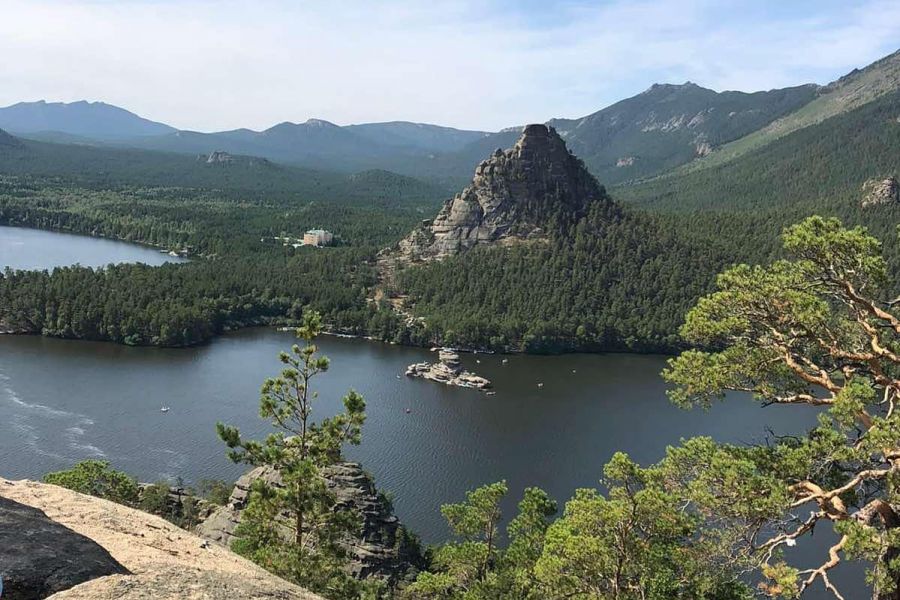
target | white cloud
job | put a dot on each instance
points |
(215, 65)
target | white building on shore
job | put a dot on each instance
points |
(317, 237)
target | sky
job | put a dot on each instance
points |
(212, 65)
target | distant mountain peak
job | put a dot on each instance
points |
(514, 195)
(320, 123)
(687, 85)
(308, 125)
(94, 120)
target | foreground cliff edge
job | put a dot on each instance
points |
(162, 561)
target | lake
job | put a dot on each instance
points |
(26, 249)
(65, 401)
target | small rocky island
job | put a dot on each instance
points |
(447, 370)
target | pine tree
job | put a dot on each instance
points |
(291, 526)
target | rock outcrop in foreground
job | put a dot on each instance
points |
(514, 195)
(448, 370)
(380, 550)
(39, 556)
(159, 561)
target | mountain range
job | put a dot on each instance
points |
(666, 129)
(663, 128)
(533, 254)
(78, 121)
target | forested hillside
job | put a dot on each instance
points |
(852, 91)
(601, 283)
(607, 283)
(661, 128)
(821, 169)
(627, 283)
(670, 125)
(825, 164)
(534, 256)
(233, 175)
(220, 212)
(610, 280)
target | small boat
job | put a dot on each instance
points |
(398, 377)
(490, 393)
(540, 385)
(573, 370)
(408, 410)
(477, 361)
(164, 409)
(505, 360)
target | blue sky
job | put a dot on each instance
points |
(485, 64)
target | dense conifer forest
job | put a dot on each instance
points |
(615, 280)
(224, 215)
(626, 283)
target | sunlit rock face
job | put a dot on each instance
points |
(514, 195)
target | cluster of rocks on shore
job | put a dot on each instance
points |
(448, 370)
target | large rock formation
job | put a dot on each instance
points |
(448, 370)
(157, 559)
(179, 505)
(514, 196)
(39, 557)
(381, 549)
(880, 191)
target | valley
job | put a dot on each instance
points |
(594, 270)
(103, 401)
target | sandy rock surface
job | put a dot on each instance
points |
(166, 562)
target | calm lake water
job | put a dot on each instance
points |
(62, 401)
(25, 249)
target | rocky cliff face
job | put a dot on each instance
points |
(381, 549)
(216, 157)
(111, 552)
(880, 191)
(514, 196)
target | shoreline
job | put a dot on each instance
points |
(334, 332)
(285, 329)
(148, 245)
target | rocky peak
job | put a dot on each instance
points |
(687, 85)
(514, 195)
(880, 191)
(217, 157)
(322, 123)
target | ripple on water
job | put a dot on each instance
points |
(62, 431)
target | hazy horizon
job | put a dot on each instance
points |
(207, 66)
